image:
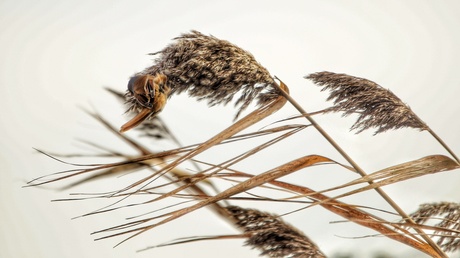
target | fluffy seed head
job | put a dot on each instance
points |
(377, 107)
(270, 234)
(210, 69)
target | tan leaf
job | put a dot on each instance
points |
(415, 168)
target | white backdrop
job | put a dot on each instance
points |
(56, 57)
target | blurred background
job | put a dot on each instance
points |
(56, 57)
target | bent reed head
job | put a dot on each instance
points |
(204, 67)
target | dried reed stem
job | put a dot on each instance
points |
(443, 144)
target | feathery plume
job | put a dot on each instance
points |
(449, 215)
(377, 107)
(270, 234)
(206, 68)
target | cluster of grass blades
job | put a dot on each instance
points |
(214, 70)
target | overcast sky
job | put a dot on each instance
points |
(57, 56)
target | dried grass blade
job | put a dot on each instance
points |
(97, 167)
(129, 141)
(412, 169)
(107, 173)
(185, 240)
(257, 115)
(214, 169)
(255, 181)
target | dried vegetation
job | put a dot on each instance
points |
(214, 70)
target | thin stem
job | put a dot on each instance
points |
(440, 141)
(358, 169)
(444, 145)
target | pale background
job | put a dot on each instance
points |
(56, 57)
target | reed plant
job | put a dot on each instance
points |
(216, 71)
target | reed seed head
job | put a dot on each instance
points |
(377, 107)
(447, 215)
(271, 235)
(210, 69)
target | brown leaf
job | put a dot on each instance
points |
(273, 236)
(416, 168)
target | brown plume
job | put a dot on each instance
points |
(270, 234)
(377, 107)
